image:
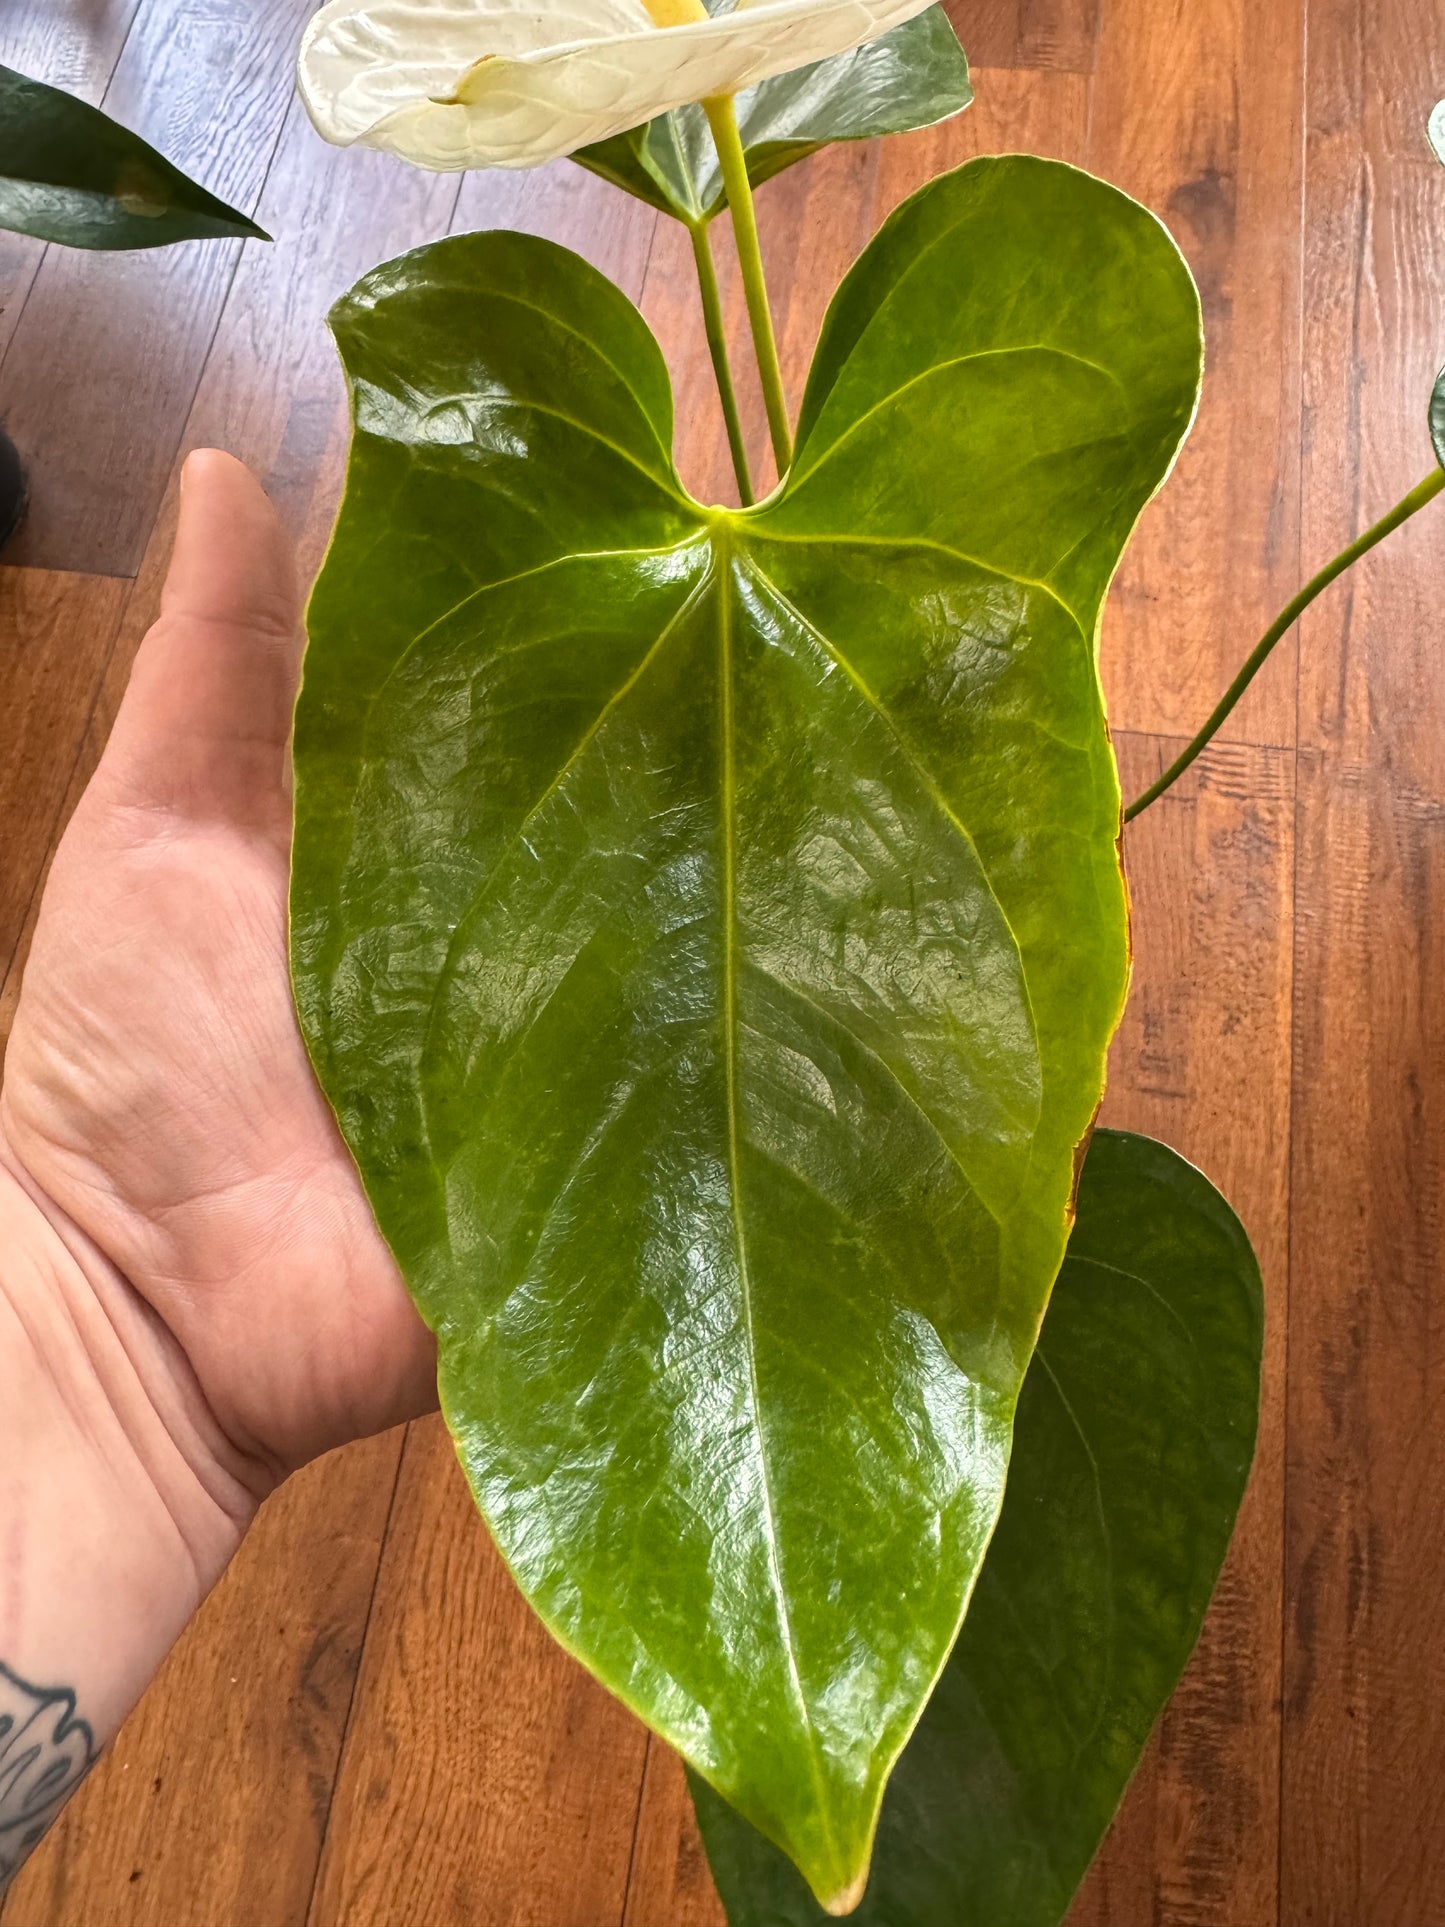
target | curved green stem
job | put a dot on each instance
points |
(717, 345)
(724, 124)
(1417, 498)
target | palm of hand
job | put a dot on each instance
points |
(157, 1091)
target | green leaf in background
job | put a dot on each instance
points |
(69, 173)
(912, 77)
(708, 926)
(1132, 1444)
(1437, 417)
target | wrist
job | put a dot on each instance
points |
(120, 1500)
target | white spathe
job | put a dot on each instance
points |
(502, 83)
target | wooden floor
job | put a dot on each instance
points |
(365, 1728)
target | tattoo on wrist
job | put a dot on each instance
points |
(45, 1753)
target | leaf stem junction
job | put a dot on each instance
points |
(712, 320)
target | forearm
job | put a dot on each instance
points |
(120, 1506)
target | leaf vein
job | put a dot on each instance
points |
(799, 476)
(920, 769)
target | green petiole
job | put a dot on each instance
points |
(712, 319)
(723, 121)
(1422, 493)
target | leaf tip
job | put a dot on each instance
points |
(847, 1898)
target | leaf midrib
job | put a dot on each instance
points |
(1108, 1540)
(728, 816)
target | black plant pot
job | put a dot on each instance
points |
(12, 489)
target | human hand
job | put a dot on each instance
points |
(158, 1103)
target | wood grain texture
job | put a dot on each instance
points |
(56, 636)
(117, 342)
(1202, 1060)
(1197, 112)
(182, 1821)
(486, 1777)
(670, 1883)
(565, 204)
(1363, 1810)
(1040, 36)
(69, 48)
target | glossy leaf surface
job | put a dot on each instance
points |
(912, 77)
(69, 173)
(708, 926)
(1132, 1445)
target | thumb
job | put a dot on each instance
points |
(205, 725)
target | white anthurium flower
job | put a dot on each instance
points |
(506, 83)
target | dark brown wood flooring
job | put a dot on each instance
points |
(365, 1728)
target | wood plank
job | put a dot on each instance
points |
(670, 1884)
(1197, 113)
(73, 48)
(103, 363)
(1054, 36)
(1364, 1764)
(566, 204)
(181, 1821)
(1202, 1060)
(56, 636)
(486, 1777)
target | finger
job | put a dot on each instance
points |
(205, 725)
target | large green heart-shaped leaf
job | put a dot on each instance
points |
(912, 77)
(69, 173)
(1132, 1444)
(708, 926)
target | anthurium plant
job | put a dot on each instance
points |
(709, 926)
(70, 174)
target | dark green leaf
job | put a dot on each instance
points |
(709, 929)
(909, 78)
(68, 173)
(1132, 1444)
(1437, 417)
